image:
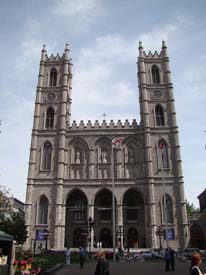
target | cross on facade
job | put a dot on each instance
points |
(104, 115)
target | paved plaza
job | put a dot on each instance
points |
(146, 268)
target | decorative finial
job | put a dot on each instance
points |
(44, 48)
(163, 44)
(140, 44)
(66, 47)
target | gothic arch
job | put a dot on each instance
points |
(103, 205)
(76, 214)
(159, 115)
(43, 206)
(50, 118)
(155, 74)
(103, 150)
(78, 154)
(134, 216)
(53, 78)
(83, 148)
(163, 154)
(47, 156)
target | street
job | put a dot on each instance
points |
(145, 268)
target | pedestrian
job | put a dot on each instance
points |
(195, 264)
(68, 256)
(167, 260)
(102, 267)
(172, 258)
(81, 256)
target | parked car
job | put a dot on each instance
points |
(148, 254)
(188, 252)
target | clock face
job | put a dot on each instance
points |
(157, 94)
(51, 97)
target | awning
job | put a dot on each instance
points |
(6, 237)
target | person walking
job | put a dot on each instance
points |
(195, 264)
(167, 259)
(81, 256)
(102, 267)
(68, 256)
(172, 259)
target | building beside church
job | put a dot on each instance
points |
(197, 224)
(70, 166)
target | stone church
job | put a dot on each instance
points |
(75, 174)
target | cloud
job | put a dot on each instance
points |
(79, 13)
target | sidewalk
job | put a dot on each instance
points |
(146, 268)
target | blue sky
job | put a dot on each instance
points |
(103, 37)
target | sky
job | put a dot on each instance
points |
(103, 37)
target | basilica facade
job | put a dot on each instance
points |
(75, 173)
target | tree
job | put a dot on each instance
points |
(14, 224)
(11, 220)
(190, 208)
(5, 206)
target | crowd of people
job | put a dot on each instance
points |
(102, 265)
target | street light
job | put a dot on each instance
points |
(88, 231)
(159, 233)
(46, 234)
(120, 233)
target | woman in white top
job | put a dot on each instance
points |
(195, 263)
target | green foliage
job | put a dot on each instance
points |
(49, 259)
(190, 209)
(11, 222)
(5, 206)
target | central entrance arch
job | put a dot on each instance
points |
(132, 237)
(105, 238)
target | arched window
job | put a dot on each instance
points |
(159, 113)
(155, 74)
(47, 154)
(169, 209)
(163, 154)
(53, 78)
(105, 209)
(131, 203)
(50, 118)
(43, 210)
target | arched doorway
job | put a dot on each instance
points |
(105, 238)
(134, 219)
(132, 237)
(78, 238)
(103, 217)
(76, 217)
(197, 237)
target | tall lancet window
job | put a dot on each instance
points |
(47, 154)
(168, 209)
(43, 210)
(159, 113)
(50, 118)
(53, 78)
(163, 154)
(155, 74)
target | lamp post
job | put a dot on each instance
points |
(89, 227)
(46, 234)
(120, 233)
(159, 233)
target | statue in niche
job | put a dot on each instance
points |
(130, 156)
(78, 157)
(104, 157)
